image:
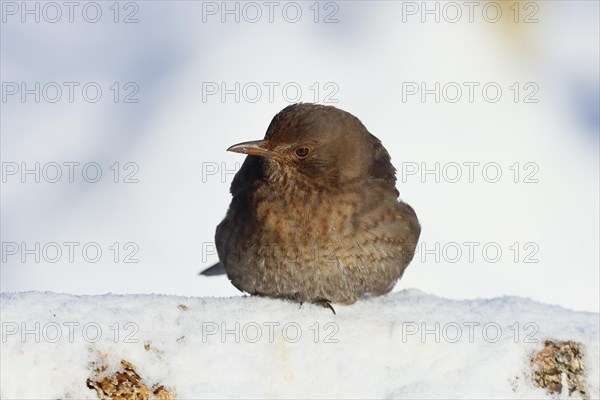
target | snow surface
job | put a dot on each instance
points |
(273, 348)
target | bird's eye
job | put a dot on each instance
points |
(302, 152)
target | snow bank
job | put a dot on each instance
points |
(406, 344)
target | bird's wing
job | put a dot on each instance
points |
(217, 269)
(250, 171)
(382, 167)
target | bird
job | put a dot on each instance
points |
(315, 215)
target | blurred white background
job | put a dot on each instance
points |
(364, 60)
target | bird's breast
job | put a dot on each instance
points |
(308, 216)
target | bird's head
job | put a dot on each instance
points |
(312, 143)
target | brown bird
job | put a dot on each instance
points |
(315, 214)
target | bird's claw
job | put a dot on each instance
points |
(326, 304)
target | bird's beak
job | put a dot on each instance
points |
(253, 148)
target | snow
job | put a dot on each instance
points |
(405, 344)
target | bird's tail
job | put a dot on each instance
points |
(217, 269)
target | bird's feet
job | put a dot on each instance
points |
(325, 303)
